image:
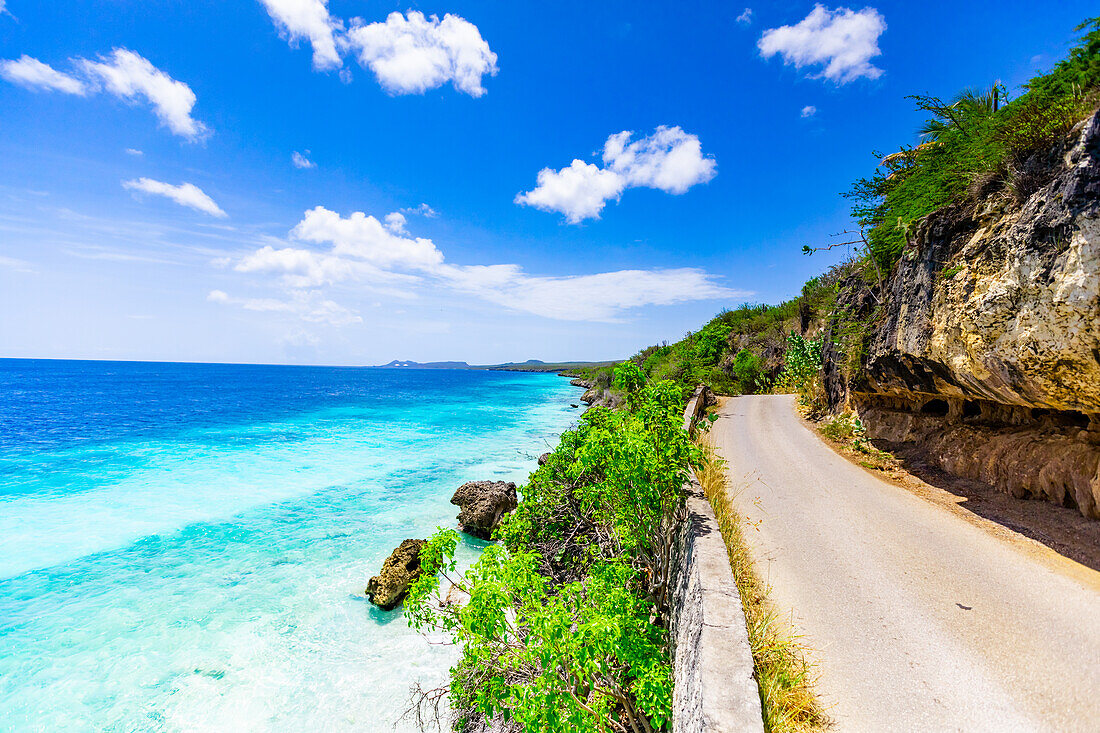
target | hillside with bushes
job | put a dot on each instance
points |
(968, 320)
(980, 150)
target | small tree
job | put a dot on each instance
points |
(748, 368)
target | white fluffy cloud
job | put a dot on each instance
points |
(395, 222)
(304, 268)
(124, 74)
(131, 76)
(185, 194)
(809, 110)
(579, 191)
(309, 20)
(669, 160)
(412, 54)
(745, 17)
(34, 74)
(841, 40)
(363, 237)
(301, 161)
(363, 250)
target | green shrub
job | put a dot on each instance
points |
(844, 427)
(748, 368)
(565, 624)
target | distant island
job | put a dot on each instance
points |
(531, 365)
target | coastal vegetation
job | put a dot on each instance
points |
(848, 433)
(979, 144)
(565, 622)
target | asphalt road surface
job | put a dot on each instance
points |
(917, 619)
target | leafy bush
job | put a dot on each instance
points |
(748, 368)
(705, 355)
(848, 430)
(802, 374)
(565, 626)
(844, 427)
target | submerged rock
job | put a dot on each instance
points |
(483, 503)
(401, 569)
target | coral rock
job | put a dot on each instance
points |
(401, 569)
(483, 503)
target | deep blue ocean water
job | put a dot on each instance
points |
(185, 546)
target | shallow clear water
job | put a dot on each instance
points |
(185, 546)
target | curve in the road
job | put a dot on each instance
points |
(918, 620)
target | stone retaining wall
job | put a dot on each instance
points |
(715, 689)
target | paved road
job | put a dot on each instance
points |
(919, 620)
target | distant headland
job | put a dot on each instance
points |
(531, 365)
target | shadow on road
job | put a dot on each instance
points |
(1063, 530)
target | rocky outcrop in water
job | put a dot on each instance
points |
(483, 503)
(400, 570)
(984, 345)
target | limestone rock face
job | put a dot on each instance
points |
(1016, 317)
(400, 570)
(543, 459)
(986, 345)
(483, 503)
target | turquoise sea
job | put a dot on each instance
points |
(184, 547)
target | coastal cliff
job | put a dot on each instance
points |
(983, 347)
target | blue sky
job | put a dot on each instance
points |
(210, 181)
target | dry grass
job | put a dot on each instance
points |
(785, 677)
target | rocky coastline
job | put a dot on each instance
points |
(482, 505)
(597, 393)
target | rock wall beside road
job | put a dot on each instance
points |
(984, 346)
(714, 687)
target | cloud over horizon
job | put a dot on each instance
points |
(363, 250)
(842, 41)
(310, 306)
(669, 160)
